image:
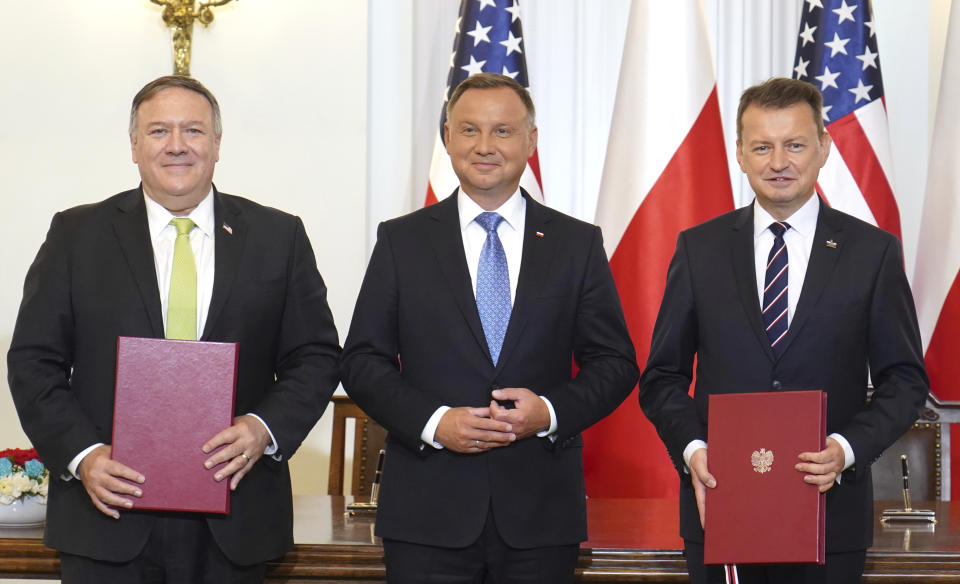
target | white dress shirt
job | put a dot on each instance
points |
(799, 242)
(202, 241)
(510, 232)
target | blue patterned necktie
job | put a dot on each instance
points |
(493, 285)
(775, 287)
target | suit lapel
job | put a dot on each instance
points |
(447, 243)
(823, 258)
(745, 271)
(229, 235)
(133, 234)
(537, 252)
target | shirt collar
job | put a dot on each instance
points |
(803, 220)
(512, 210)
(158, 217)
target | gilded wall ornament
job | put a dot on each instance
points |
(179, 16)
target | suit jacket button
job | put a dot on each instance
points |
(776, 385)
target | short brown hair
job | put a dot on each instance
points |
(780, 93)
(493, 81)
(183, 82)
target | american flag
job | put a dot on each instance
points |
(837, 52)
(489, 39)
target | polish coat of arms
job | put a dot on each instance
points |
(762, 460)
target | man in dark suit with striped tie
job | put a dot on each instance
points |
(787, 294)
(485, 296)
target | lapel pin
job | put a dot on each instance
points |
(229, 229)
(831, 244)
(539, 234)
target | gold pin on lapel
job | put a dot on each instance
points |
(831, 244)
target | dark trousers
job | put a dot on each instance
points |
(489, 560)
(840, 568)
(180, 550)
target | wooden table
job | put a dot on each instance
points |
(631, 540)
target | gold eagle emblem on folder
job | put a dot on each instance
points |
(762, 460)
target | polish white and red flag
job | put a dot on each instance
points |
(488, 39)
(936, 285)
(665, 170)
(837, 52)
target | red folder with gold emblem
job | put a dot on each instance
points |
(762, 511)
(171, 397)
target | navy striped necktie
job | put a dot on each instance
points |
(775, 287)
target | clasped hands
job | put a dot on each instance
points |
(243, 444)
(472, 430)
(821, 468)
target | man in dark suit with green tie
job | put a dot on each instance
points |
(177, 258)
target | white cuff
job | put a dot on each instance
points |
(75, 463)
(553, 421)
(848, 458)
(689, 450)
(430, 429)
(272, 448)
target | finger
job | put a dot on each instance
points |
(813, 456)
(115, 485)
(225, 454)
(494, 437)
(821, 479)
(237, 476)
(698, 469)
(819, 469)
(226, 436)
(108, 511)
(118, 469)
(511, 393)
(482, 445)
(700, 494)
(236, 464)
(490, 425)
(811, 468)
(479, 412)
(111, 499)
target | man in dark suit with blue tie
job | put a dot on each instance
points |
(787, 294)
(461, 345)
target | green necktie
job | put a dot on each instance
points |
(182, 300)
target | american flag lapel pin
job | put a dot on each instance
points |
(227, 228)
(831, 244)
(539, 234)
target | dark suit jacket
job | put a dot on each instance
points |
(416, 343)
(855, 310)
(94, 280)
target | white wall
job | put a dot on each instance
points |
(291, 80)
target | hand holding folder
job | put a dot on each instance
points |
(763, 510)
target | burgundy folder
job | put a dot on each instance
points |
(761, 510)
(171, 397)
